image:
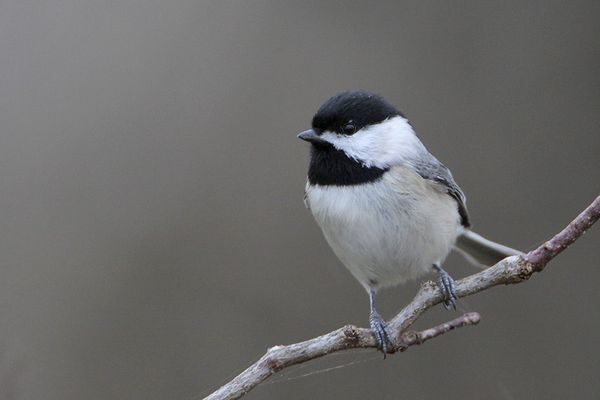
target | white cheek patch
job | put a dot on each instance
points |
(391, 142)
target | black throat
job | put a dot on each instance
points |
(330, 166)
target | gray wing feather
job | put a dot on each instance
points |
(430, 168)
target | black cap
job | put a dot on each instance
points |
(348, 112)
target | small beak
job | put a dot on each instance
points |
(311, 136)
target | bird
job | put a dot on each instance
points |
(389, 210)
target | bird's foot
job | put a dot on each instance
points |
(446, 285)
(378, 326)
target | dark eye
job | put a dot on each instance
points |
(349, 129)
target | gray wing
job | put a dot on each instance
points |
(431, 169)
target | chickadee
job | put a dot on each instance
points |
(387, 207)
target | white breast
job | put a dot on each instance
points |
(388, 231)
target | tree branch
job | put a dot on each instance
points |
(511, 270)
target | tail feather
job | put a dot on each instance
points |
(481, 251)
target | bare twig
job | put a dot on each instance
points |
(412, 338)
(511, 270)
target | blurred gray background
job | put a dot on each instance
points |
(153, 240)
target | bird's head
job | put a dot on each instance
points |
(365, 127)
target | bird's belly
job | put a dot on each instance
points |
(382, 235)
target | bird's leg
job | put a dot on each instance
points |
(446, 285)
(378, 326)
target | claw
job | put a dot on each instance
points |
(378, 327)
(446, 285)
